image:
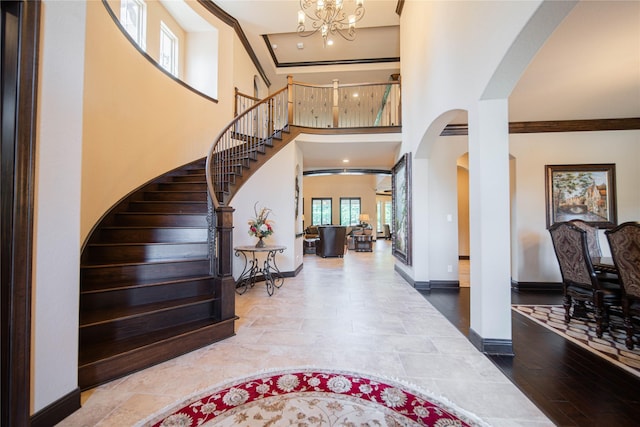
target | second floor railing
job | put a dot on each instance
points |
(338, 105)
(256, 123)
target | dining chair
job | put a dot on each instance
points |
(624, 241)
(579, 279)
(593, 244)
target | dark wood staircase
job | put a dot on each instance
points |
(147, 288)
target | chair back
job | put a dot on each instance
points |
(624, 241)
(332, 241)
(570, 246)
(592, 237)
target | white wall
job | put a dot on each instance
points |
(443, 201)
(57, 221)
(534, 251)
(531, 250)
(202, 61)
(271, 186)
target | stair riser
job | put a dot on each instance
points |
(101, 371)
(120, 329)
(169, 207)
(145, 253)
(146, 294)
(177, 196)
(113, 276)
(151, 235)
(189, 178)
(182, 186)
(166, 220)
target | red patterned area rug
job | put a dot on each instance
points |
(314, 398)
(583, 332)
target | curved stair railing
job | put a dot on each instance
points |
(240, 144)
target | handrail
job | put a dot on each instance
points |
(241, 140)
(353, 105)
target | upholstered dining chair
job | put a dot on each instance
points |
(579, 279)
(624, 241)
(593, 244)
(592, 237)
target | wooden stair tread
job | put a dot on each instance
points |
(96, 317)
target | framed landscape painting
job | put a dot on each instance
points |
(585, 192)
(401, 209)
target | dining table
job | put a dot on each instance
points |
(604, 264)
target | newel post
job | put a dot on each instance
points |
(223, 256)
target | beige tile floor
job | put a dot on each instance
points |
(354, 313)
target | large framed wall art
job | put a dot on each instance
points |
(586, 192)
(401, 209)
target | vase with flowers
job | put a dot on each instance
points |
(260, 226)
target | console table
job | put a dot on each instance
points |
(363, 242)
(252, 269)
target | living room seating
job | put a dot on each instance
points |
(331, 241)
(579, 279)
(624, 241)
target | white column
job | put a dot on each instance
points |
(489, 226)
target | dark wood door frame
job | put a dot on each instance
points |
(19, 32)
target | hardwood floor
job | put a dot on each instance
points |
(572, 386)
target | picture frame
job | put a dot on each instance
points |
(582, 191)
(401, 209)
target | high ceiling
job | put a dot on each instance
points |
(588, 69)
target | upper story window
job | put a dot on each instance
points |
(168, 50)
(133, 16)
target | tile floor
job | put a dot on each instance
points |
(354, 313)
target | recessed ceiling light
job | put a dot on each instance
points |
(345, 161)
(274, 46)
(355, 95)
(300, 45)
(330, 42)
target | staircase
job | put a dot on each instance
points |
(149, 287)
(147, 293)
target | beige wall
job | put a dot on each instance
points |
(138, 122)
(336, 186)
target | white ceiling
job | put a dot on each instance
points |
(588, 69)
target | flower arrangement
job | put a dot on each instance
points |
(260, 226)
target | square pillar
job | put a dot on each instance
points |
(490, 242)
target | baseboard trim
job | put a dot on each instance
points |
(422, 286)
(57, 411)
(536, 286)
(444, 284)
(492, 346)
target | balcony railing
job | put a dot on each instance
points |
(257, 123)
(339, 105)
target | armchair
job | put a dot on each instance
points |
(331, 241)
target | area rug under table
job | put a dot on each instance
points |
(583, 332)
(314, 398)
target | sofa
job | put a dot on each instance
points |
(331, 241)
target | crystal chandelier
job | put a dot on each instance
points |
(328, 17)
